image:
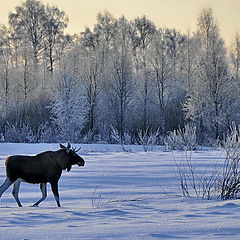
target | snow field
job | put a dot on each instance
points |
(117, 195)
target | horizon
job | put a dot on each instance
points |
(170, 14)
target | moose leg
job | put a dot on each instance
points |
(43, 187)
(54, 186)
(15, 191)
(7, 183)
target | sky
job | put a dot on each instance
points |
(179, 14)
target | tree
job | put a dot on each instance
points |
(235, 56)
(174, 40)
(210, 98)
(68, 106)
(28, 20)
(189, 59)
(95, 54)
(160, 65)
(104, 32)
(92, 73)
(91, 76)
(121, 83)
(54, 25)
(142, 32)
(5, 58)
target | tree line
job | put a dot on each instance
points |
(121, 76)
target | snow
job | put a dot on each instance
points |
(117, 195)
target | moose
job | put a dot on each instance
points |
(40, 169)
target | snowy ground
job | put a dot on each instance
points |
(116, 195)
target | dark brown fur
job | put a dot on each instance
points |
(42, 168)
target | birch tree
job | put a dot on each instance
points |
(121, 84)
(160, 65)
(142, 32)
(29, 20)
(5, 62)
(92, 69)
(208, 103)
(235, 56)
(54, 24)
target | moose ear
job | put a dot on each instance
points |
(68, 146)
(61, 146)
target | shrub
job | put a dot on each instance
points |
(19, 132)
(47, 133)
(182, 139)
(148, 139)
(223, 181)
(229, 182)
(193, 181)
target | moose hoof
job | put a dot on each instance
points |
(34, 205)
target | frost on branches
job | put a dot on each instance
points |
(68, 108)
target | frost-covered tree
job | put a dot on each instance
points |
(91, 76)
(164, 57)
(28, 21)
(142, 32)
(5, 58)
(68, 106)
(235, 56)
(54, 24)
(121, 84)
(174, 41)
(104, 32)
(208, 102)
(27, 83)
(93, 68)
(161, 65)
(122, 73)
(189, 58)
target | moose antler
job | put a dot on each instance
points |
(76, 150)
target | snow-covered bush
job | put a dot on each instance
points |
(222, 181)
(2, 138)
(174, 141)
(231, 141)
(229, 181)
(190, 136)
(115, 136)
(47, 133)
(182, 139)
(88, 138)
(148, 139)
(19, 132)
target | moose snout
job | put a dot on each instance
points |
(81, 164)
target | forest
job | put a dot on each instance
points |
(121, 81)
